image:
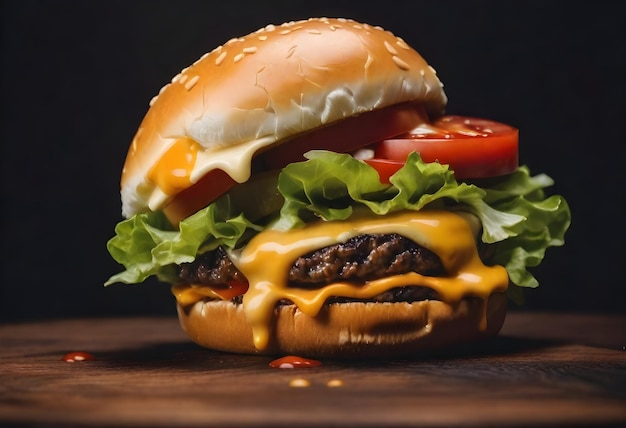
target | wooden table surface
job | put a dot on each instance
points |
(543, 370)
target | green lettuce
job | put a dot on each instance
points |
(513, 210)
(146, 244)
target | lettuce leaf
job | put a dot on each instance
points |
(146, 244)
(513, 210)
(331, 185)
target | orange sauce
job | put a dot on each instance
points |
(172, 173)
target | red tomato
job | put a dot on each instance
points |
(385, 167)
(347, 135)
(198, 196)
(474, 148)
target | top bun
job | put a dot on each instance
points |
(277, 82)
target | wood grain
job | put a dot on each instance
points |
(544, 369)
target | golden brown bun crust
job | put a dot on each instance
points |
(272, 84)
(348, 330)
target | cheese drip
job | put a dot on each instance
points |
(266, 260)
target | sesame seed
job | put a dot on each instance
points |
(314, 32)
(263, 37)
(402, 43)
(432, 69)
(238, 57)
(390, 48)
(153, 100)
(192, 82)
(270, 27)
(163, 89)
(291, 51)
(250, 49)
(400, 63)
(183, 79)
(290, 24)
(175, 78)
(220, 58)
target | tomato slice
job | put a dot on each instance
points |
(198, 196)
(474, 148)
(385, 167)
(348, 135)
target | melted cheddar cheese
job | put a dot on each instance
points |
(266, 260)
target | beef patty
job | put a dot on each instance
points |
(361, 258)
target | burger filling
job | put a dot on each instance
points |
(361, 258)
(350, 237)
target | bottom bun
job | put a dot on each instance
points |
(348, 330)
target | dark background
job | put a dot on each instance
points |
(77, 77)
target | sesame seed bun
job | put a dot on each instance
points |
(349, 330)
(259, 90)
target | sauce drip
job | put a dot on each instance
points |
(293, 361)
(72, 357)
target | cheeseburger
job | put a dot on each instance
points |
(303, 192)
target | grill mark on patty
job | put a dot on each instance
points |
(210, 268)
(361, 258)
(364, 258)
